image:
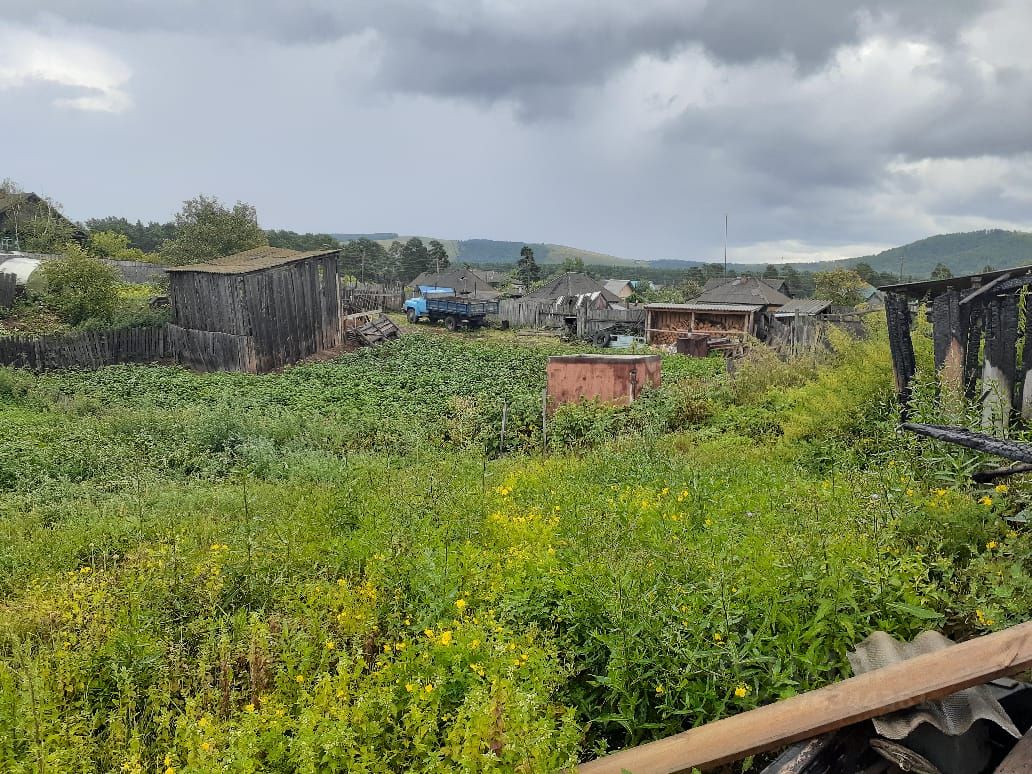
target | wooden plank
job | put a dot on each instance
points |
(897, 317)
(1001, 335)
(895, 687)
(978, 292)
(1019, 760)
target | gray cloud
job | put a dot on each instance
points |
(628, 128)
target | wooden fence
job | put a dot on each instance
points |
(522, 313)
(356, 298)
(8, 287)
(90, 349)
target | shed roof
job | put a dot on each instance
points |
(742, 290)
(802, 306)
(255, 259)
(460, 279)
(697, 307)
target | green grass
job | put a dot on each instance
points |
(335, 569)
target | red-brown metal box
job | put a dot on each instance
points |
(615, 379)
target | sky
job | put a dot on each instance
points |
(822, 128)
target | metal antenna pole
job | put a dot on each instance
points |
(726, 245)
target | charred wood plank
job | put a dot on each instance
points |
(985, 476)
(971, 439)
(897, 317)
(949, 328)
(1026, 365)
(1001, 338)
(979, 292)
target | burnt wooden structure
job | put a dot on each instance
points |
(255, 311)
(975, 334)
(975, 331)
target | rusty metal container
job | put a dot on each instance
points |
(617, 379)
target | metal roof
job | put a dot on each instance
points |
(256, 259)
(802, 306)
(704, 307)
(743, 290)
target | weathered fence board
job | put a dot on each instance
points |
(8, 287)
(212, 350)
(90, 349)
(356, 298)
(523, 313)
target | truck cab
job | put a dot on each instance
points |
(415, 307)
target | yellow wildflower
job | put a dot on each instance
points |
(1001, 488)
(742, 691)
(986, 501)
(248, 708)
(460, 604)
(86, 570)
(708, 522)
(910, 493)
(991, 545)
(206, 746)
(660, 690)
(940, 492)
(299, 679)
(170, 770)
(429, 633)
(446, 637)
(410, 687)
(429, 687)
(718, 637)
(330, 645)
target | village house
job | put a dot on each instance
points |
(574, 290)
(460, 280)
(622, 289)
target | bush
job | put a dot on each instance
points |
(79, 287)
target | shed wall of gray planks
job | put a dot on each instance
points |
(88, 350)
(8, 287)
(285, 313)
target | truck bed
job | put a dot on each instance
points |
(461, 307)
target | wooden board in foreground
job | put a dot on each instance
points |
(895, 687)
(1020, 758)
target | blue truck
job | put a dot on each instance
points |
(443, 304)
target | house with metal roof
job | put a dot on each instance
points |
(465, 282)
(573, 290)
(741, 290)
(624, 289)
(256, 310)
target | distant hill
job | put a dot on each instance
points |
(964, 253)
(490, 251)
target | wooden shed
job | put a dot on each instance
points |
(665, 323)
(255, 311)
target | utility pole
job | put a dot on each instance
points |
(725, 245)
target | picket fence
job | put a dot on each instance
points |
(88, 350)
(8, 287)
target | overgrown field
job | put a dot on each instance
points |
(337, 568)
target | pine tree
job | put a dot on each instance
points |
(527, 270)
(437, 256)
(414, 259)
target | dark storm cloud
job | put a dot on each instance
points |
(534, 51)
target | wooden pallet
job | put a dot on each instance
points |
(370, 328)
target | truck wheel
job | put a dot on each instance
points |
(601, 339)
(410, 313)
(451, 322)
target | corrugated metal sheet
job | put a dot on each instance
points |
(953, 715)
(742, 290)
(802, 306)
